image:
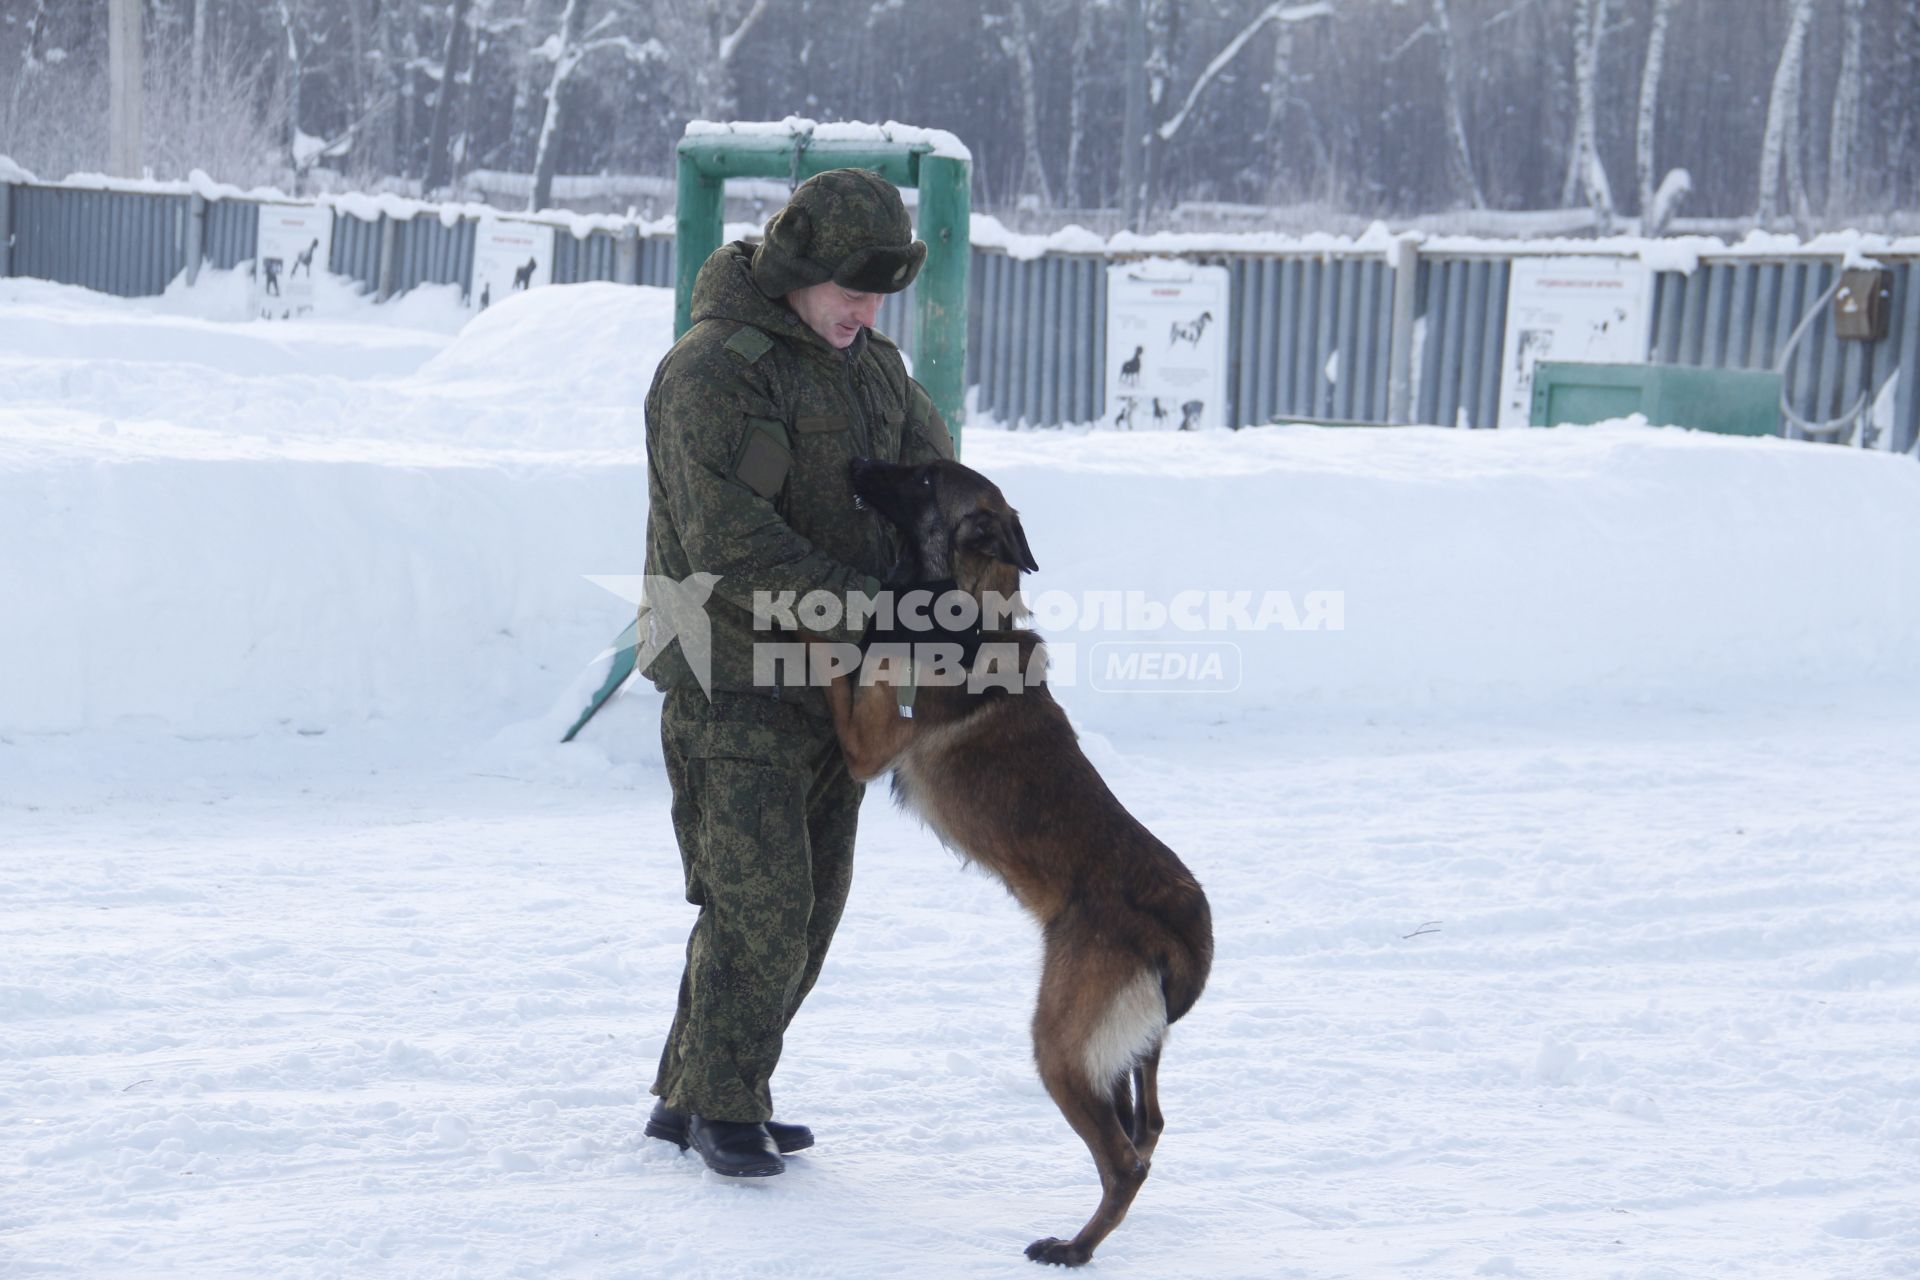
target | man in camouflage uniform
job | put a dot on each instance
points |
(751, 423)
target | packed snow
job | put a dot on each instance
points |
(1562, 870)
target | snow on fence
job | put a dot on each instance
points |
(1311, 334)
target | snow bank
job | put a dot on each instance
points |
(1484, 568)
(600, 342)
(235, 529)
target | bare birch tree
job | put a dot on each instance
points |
(196, 92)
(1459, 156)
(1082, 75)
(219, 129)
(522, 129)
(458, 36)
(30, 51)
(1783, 111)
(574, 43)
(1649, 117)
(565, 50)
(1844, 130)
(704, 37)
(1279, 99)
(1133, 127)
(293, 73)
(1586, 175)
(1159, 68)
(1018, 44)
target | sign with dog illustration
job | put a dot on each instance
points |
(1593, 310)
(294, 242)
(1166, 345)
(509, 257)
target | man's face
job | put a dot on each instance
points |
(834, 313)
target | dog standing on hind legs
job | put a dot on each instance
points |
(994, 767)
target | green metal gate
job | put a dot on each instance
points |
(707, 160)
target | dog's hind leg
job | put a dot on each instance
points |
(1122, 1171)
(1148, 1122)
(1123, 1108)
(1086, 1032)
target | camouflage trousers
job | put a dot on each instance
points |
(765, 812)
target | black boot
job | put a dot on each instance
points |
(734, 1150)
(669, 1125)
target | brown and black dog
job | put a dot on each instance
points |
(994, 767)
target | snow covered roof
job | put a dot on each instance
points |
(938, 141)
(1673, 253)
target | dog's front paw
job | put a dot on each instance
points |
(1056, 1252)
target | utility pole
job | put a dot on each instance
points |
(124, 97)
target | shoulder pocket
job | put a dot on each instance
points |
(764, 458)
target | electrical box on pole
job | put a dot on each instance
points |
(933, 162)
(1863, 304)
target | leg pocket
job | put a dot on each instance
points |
(754, 863)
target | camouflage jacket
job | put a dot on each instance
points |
(751, 422)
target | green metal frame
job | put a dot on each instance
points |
(706, 161)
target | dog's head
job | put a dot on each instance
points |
(953, 520)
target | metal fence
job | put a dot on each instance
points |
(129, 243)
(1311, 335)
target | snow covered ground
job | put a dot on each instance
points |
(1565, 894)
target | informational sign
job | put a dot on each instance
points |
(1166, 345)
(295, 241)
(1587, 310)
(509, 257)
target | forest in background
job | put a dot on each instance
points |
(1797, 114)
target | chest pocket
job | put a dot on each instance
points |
(823, 444)
(895, 430)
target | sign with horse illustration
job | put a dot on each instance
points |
(1166, 346)
(293, 242)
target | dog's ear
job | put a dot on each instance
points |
(998, 536)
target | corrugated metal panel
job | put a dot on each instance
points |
(356, 249)
(986, 267)
(233, 232)
(124, 243)
(1493, 344)
(1905, 342)
(431, 252)
(1089, 353)
(1014, 344)
(1308, 337)
(656, 261)
(976, 295)
(896, 319)
(576, 259)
